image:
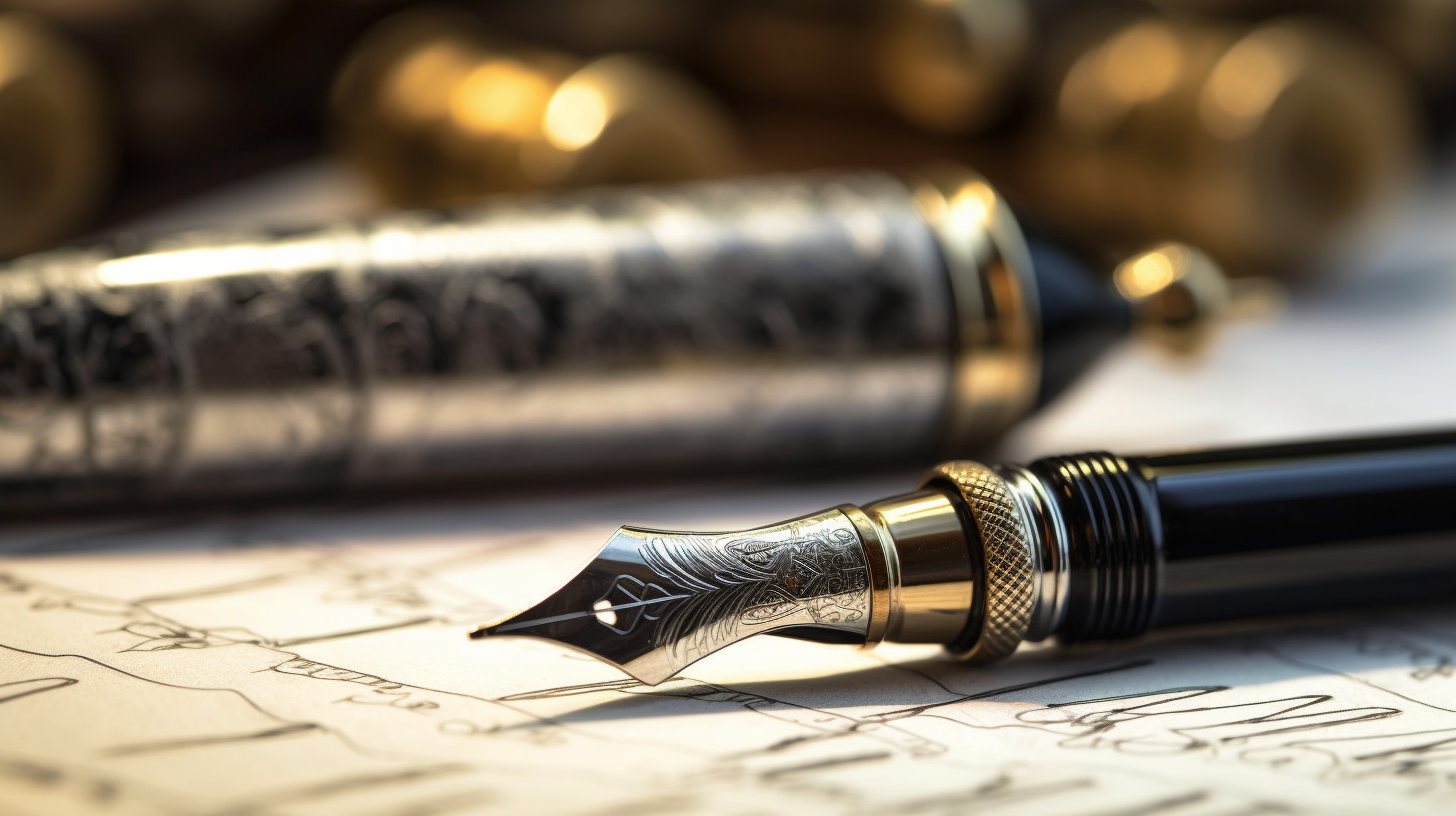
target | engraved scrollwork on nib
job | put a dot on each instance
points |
(652, 602)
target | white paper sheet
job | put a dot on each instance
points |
(316, 662)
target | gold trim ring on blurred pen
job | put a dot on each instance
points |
(997, 358)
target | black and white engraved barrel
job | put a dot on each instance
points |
(726, 324)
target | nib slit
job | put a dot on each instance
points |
(511, 626)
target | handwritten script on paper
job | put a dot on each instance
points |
(318, 664)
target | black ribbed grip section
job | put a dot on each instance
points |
(1110, 513)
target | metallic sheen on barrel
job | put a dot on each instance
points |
(751, 322)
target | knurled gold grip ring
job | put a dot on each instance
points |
(1008, 569)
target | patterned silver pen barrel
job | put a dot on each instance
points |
(1088, 547)
(850, 317)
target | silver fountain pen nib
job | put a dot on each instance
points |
(654, 601)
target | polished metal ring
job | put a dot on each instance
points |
(884, 575)
(997, 362)
(1009, 568)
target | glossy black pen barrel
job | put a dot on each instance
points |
(1295, 528)
(1245, 532)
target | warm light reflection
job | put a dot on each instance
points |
(1247, 80)
(929, 201)
(500, 97)
(12, 50)
(1142, 63)
(576, 116)
(420, 86)
(1139, 65)
(213, 262)
(1079, 103)
(972, 205)
(1149, 274)
(180, 265)
(394, 247)
(680, 231)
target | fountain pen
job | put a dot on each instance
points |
(789, 321)
(1086, 547)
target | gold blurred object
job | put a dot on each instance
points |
(434, 110)
(950, 66)
(1418, 34)
(1264, 145)
(1175, 292)
(54, 151)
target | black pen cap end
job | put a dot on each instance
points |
(1081, 316)
(1171, 295)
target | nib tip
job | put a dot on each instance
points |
(654, 601)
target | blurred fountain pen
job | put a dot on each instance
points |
(980, 558)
